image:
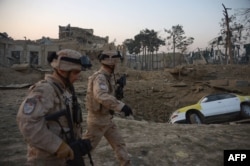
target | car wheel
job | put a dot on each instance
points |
(245, 111)
(194, 118)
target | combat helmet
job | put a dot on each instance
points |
(68, 60)
(110, 57)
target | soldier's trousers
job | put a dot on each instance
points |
(95, 133)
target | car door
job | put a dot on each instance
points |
(212, 106)
(231, 103)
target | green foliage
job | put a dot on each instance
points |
(177, 38)
(132, 46)
(147, 40)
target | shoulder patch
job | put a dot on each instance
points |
(103, 86)
(29, 106)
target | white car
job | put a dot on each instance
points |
(214, 108)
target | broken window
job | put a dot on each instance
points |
(15, 57)
(33, 58)
(49, 53)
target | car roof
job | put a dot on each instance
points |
(217, 94)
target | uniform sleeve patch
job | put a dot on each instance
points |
(103, 86)
(29, 106)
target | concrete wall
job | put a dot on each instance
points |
(32, 54)
(35, 52)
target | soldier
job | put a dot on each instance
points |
(46, 142)
(100, 102)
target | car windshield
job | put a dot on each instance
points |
(226, 96)
(203, 100)
(215, 97)
(209, 98)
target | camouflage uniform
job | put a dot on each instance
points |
(100, 100)
(46, 97)
(44, 137)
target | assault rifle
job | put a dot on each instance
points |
(80, 147)
(121, 82)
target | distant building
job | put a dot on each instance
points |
(35, 52)
(240, 47)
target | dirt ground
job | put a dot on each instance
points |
(153, 96)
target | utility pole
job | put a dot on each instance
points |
(228, 33)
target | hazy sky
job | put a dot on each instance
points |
(118, 19)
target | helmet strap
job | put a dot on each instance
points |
(111, 69)
(64, 79)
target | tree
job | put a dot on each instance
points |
(231, 32)
(178, 40)
(146, 41)
(150, 43)
(228, 33)
(151, 40)
(132, 46)
(245, 14)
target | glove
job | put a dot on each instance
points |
(64, 151)
(127, 110)
(85, 146)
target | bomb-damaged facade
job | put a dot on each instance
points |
(34, 53)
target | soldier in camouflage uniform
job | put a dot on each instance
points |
(100, 101)
(45, 140)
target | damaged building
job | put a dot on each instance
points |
(34, 53)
